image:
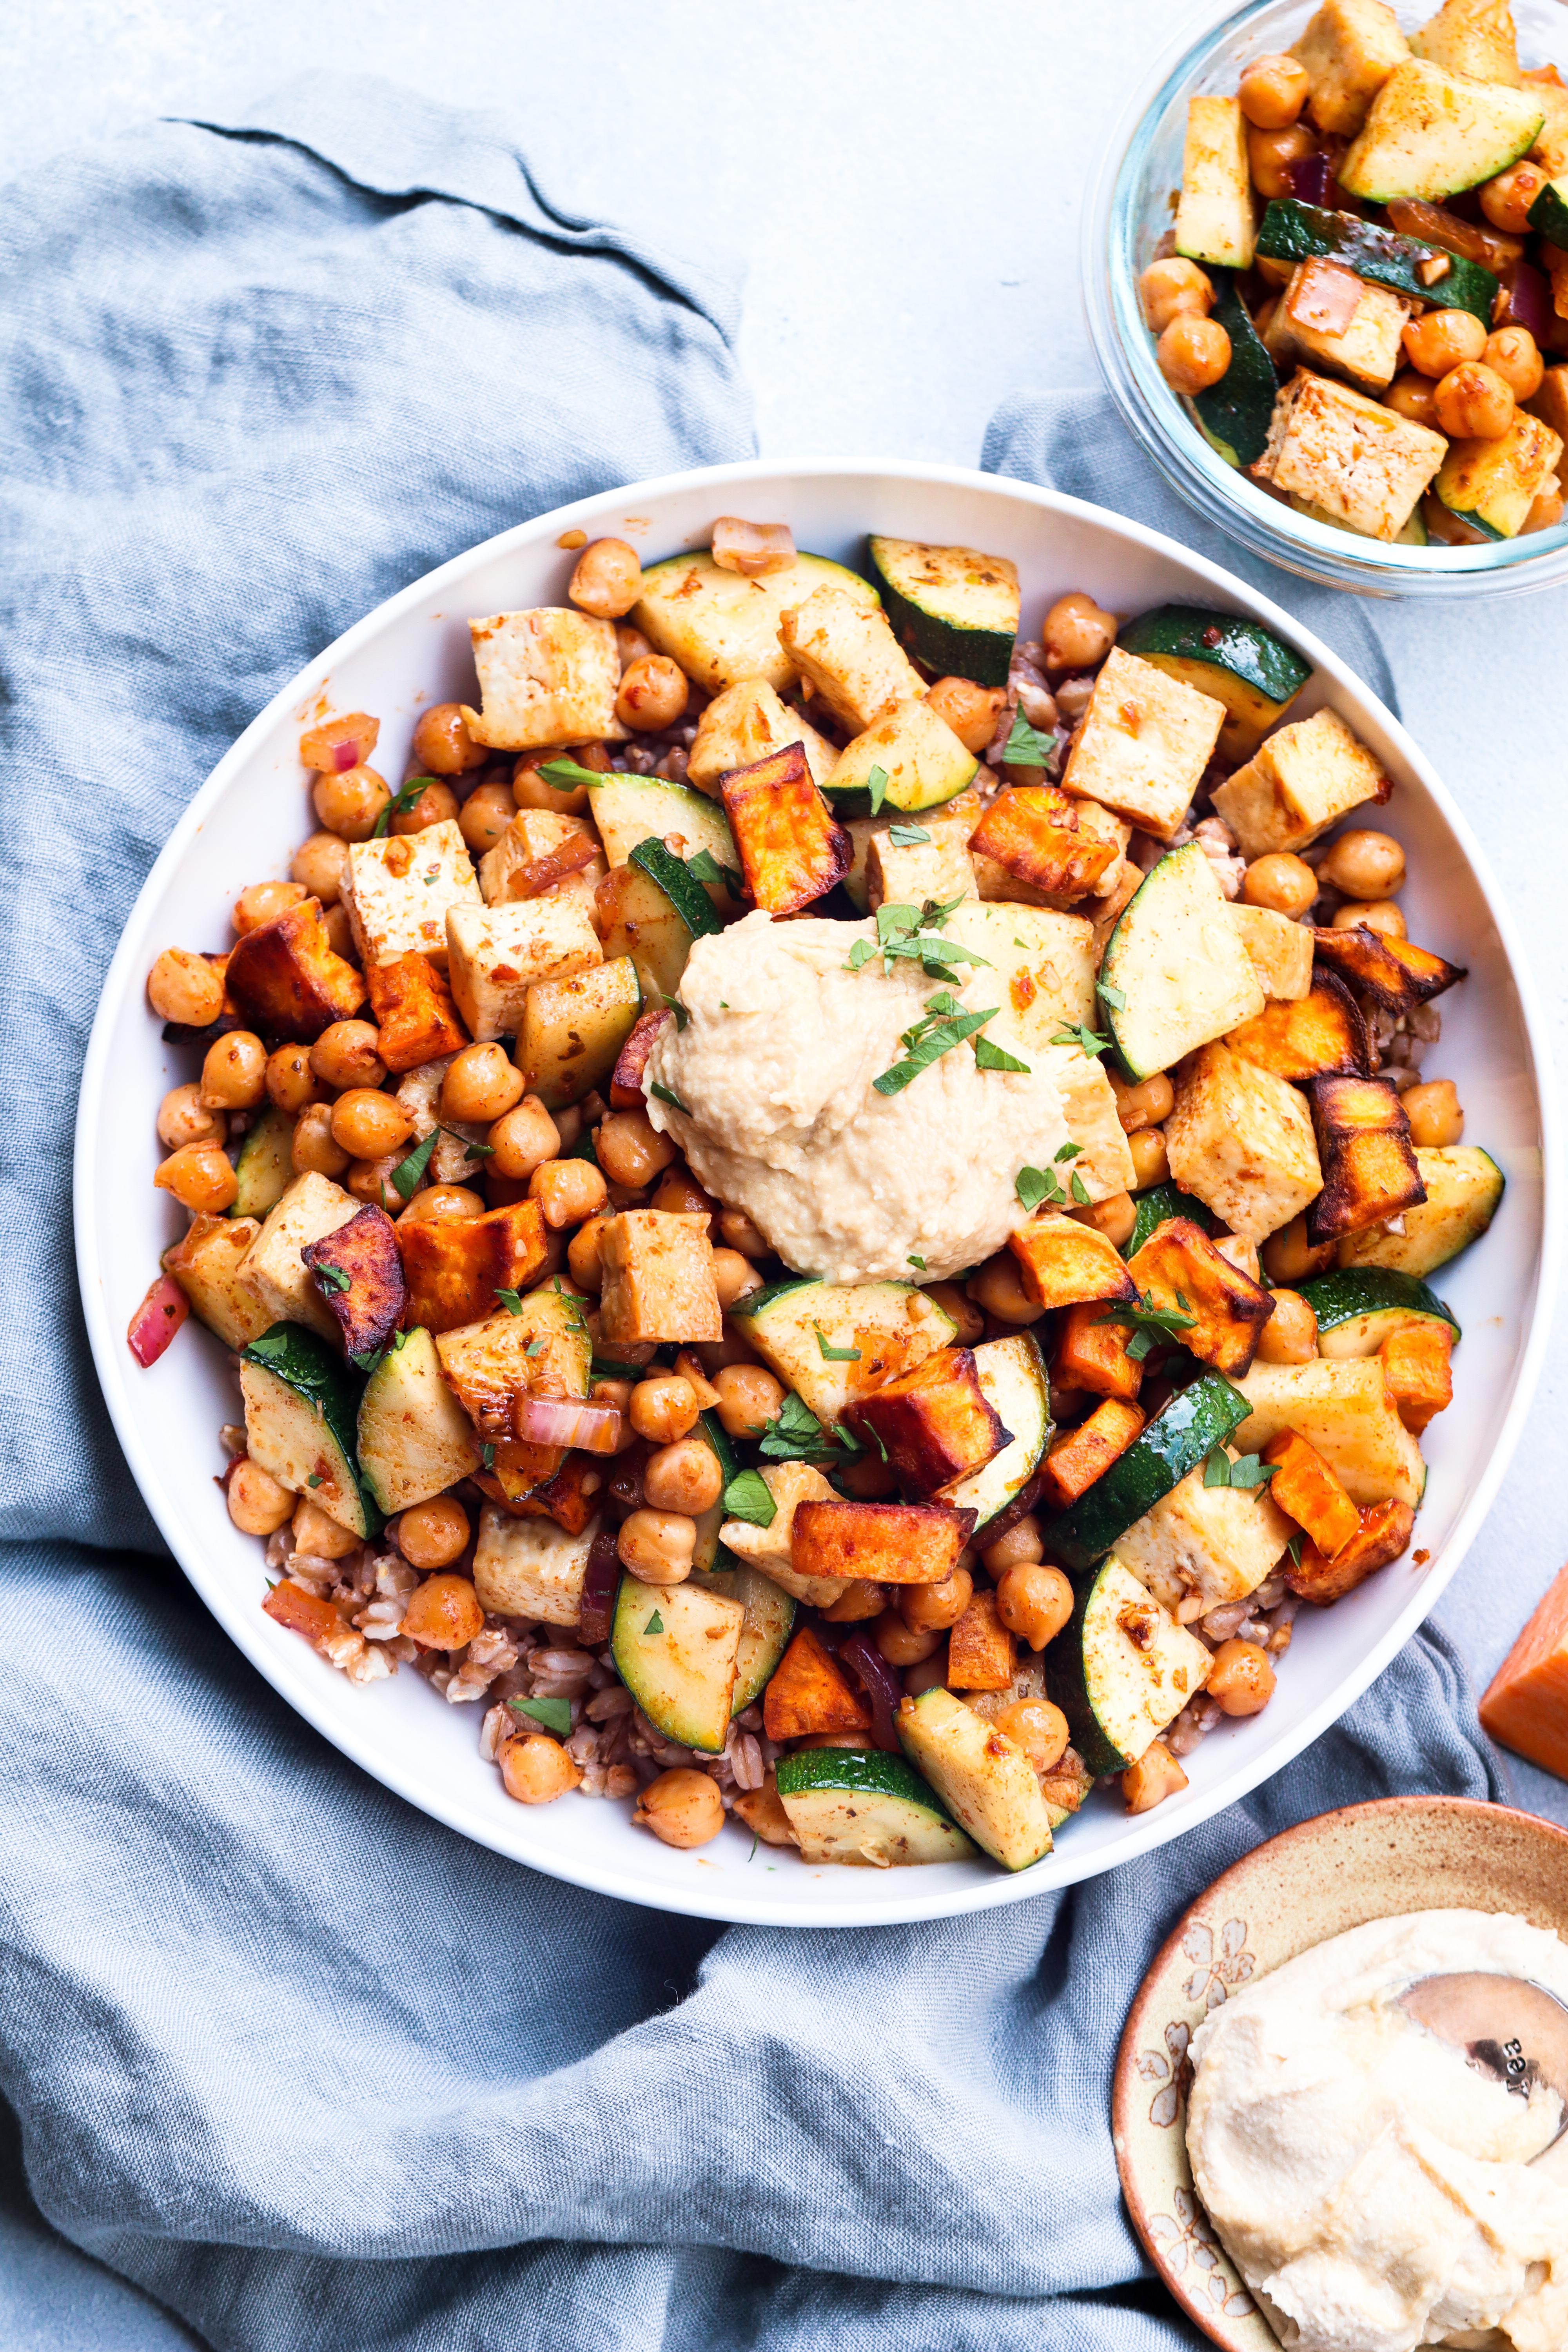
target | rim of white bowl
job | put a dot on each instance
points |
(277, 1663)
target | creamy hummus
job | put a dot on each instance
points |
(775, 1069)
(1375, 2190)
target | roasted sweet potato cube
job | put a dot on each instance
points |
(412, 1007)
(1092, 1354)
(808, 1696)
(793, 848)
(359, 1276)
(1383, 1532)
(1321, 1035)
(658, 1278)
(1394, 973)
(1370, 1170)
(1062, 1263)
(1032, 833)
(1081, 1455)
(287, 981)
(625, 1082)
(1180, 1269)
(1416, 1367)
(487, 1364)
(454, 1270)
(572, 1496)
(302, 1611)
(933, 1425)
(1308, 1490)
(982, 1655)
(887, 1543)
(521, 1470)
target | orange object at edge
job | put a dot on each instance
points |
(1526, 1707)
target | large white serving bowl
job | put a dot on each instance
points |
(244, 825)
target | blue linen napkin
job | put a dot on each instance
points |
(290, 2065)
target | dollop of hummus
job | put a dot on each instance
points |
(1377, 2191)
(777, 1113)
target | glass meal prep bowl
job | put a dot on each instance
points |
(1130, 208)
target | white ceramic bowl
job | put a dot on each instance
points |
(244, 823)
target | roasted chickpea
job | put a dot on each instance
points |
(969, 709)
(683, 1808)
(1078, 633)
(199, 1177)
(1439, 341)
(1514, 353)
(1289, 1257)
(319, 1537)
(1019, 1547)
(749, 1398)
(349, 805)
(183, 987)
(348, 1054)
(1154, 1776)
(903, 1644)
(1241, 1680)
(485, 815)
(658, 1545)
(446, 1204)
(434, 1534)
(631, 1151)
(1193, 352)
(684, 1478)
(370, 1180)
(583, 1254)
(261, 901)
(1414, 395)
(1473, 402)
(630, 643)
(443, 1613)
(969, 1318)
(233, 1074)
(525, 1139)
(319, 865)
(857, 1604)
(734, 1277)
(258, 1504)
(480, 1086)
(536, 1770)
(1148, 1104)
(443, 745)
(1035, 1602)
(1284, 883)
(932, 1608)
(1370, 915)
(1291, 1334)
(1546, 509)
(1437, 1118)
(998, 1288)
(1364, 864)
(568, 1190)
(338, 742)
(1151, 1164)
(436, 804)
(368, 1124)
(530, 790)
(607, 581)
(291, 1081)
(1506, 201)
(1269, 154)
(340, 932)
(930, 1672)
(663, 1408)
(1037, 1727)
(314, 1148)
(678, 1193)
(868, 1480)
(1273, 91)
(653, 694)
(1115, 1217)
(739, 1234)
(1171, 288)
(184, 1118)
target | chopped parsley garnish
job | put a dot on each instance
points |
(673, 1003)
(877, 785)
(474, 1150)
(1247, 1470)
(1026, 747)
(333, 1278)
(747, 1498)
(487, 1456)
(314, 1479)
(409, 1174)
(907, 836)
(1293, 1549)
(919, 1262)
(534, 1347)
(1079, 1190)
(944, 1026)
(566, 775)
(552, 1714)
(1087, 1041)
(667, 1095)
(1115, 997)
(797, 1435)
(1148, 1323)
(1034, 1185)
(914, 934)
(366, 1358)
(835, 1355)
(512, 1300)
(413, 791)
(655, 1623)
(992, 1057)
(707, 868)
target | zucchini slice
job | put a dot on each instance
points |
(1464, 1188)
(1492, 484)
(629, 809)
(1157, 1207)
(924, 763)
(1196, 1420)
(982, 1777)
(795, 1324)
(709, 1552)
(1293, 231)
(675, 1648)
(1549, 213)
(1013, 1383)
(1247, 668)
(722, 627)
(300, 1416)
(1121, 1669)
(1429, 134)
(1236, 414)
(1358, 1308)
(764, 1635)
(858, 1806)
(573, 1029)
(953, 608)
(656, 907)
(1177, 964)
(265, 1169)
(414, 1438)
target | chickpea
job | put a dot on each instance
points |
(734, 1277)
(443, 745)
(1019, 1547)
(969, 709)
(683, 1477)
(485, 815)
(583, 1254)
(184, 1118)
(1284, 883)
(536, 1770)
(607, 581)
(370, 1180)
(319, 865)
(968, 1318)
(630, 643)
(1546, 509)
(1241, 1680)
(1370, 914)
(1473, 402)
(1273, 91)
(663, 1408)
(932, 1608)
(653, 694)
(1115, 1217)
(739, 1234)
(1269, 154)
(1513, 353)
(1291, 1334)
(1439, 341)
(436, 804)
(443, 1613)
(631, 1151)
(1364, 864)
(998, 1288)
(523, 1139)
(1193, 352)
(1148, 1104)
(312, 1147)
(683, 1808)
(261, 902)
(1156, 1775)
(1169, 290)
(233, 1074)
(868, 1480)
(1506, 201)
(930, 1672)
(183, 987)
(291, 1081)
(348, 1054)
(749, 1398)
(1414, 395)
(367, 1124)
(340, 933)
(1437, 1118)
(1035, 1602)
(1037, 1727)
(480, 1086)
(434, 1534)
(1288, 1256)
(568, 1190)
(658, 1545)
(258, 1504)
(349, 805)
(446, 1204)
(319, 1537)
(903, 1644)
(530, 790)
(199, 1177)
(1150, 1163)
(678, 1194)
(1077, 633)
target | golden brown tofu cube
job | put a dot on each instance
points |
(933, 1425)
(359, 1276)
(1179, 1269)
(1370, 1171)
(1032, 834)
(982, 1656)
(455, 1270)
(287, 980)
(1062, 1263)
(658, 1278)
(1395, 973)
(1321, 1035)
(881, 1543)
(793, 848)
(412, 1006)
(487, 1365)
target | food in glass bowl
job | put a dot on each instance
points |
(1363, 300)
(825, 1213)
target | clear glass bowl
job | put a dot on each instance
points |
(1130, 211)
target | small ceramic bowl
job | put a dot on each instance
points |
(1367, 1862)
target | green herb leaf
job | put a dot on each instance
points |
(1079, 1190)
(474, 1150)
(1293, 1548)
(551, 1714)
(1026, 747)
(877, 785)
(1034, 1185)
(1115, 997)
(707, 868)
(835, 1355)
(746, 1497)
(940, 1038)
(655, 1623)
(605, 1368)
(673, 1003)
(1022, 943)
(1068, 1151)
(1087, 1041)
(566, 775)
(331, 1278)
(583, 1149)
(797, 1435)
(908, 836)
(992, 1057)
(535, 1348)
(487, 1456)
(400, 804)
(409, 1174)
(512, 1300)
(667, 1095)
(314, 1479)
(399, 1341)
(919, 1262)
(1147, 1323)
(366, 1358)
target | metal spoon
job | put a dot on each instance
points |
(1508, 2027)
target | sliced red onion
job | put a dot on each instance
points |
(883, 1690)
(346, 755)
(157, 1319)
(1309, 178)
(567, 1420)
(1527, 300)
(600, 1585)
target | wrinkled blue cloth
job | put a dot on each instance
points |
(289, 2066)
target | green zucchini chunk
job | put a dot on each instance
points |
(1238, 662)
(1293, 231)
(300, 1412)
(1176, 973)
(764, 1636)
(675, 1647)
(1121, 1669)
(662, 907)
(1464, 1189)
(629, 809)
(414, 1438)
(264, 1169)
(1549, 213)
(953, 608)
(860, 1806)
(679, 885)
(573, 1029)
(1014, 1381)
(1236, 412)
(984, 1780)
(796, 1325)
(1196, 1420)
(722, 627)
(1157, 1206)
(1358, 1308)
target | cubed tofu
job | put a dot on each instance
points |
(452, 1161)
(1496, 482)
(413, 1009)
(907, 873)
(1045, 846)
(1216, 222)
(398, 890)
(1088, 1107)
(455, 1268)
(1344, 322)
(273, 1269)
(955, 821)
(921, 757)
(1349, 48)
(771, 1549)
(1361, 463)
(1472, 37)
(848, 654)
(1341, 1405)
(547, 677)
(1212, 1544)
(743, 725)
(207, 1262)
(1280, 950)
(1240, 1140)
(287, 981)
(1144, 743)
(658, 1278)
(530, 1567)
(496, 954)
(542, 854)
(1301, 780)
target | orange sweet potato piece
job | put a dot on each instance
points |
(808, 1695)
(414, 1010)
(933, 1425)
(1370, 1170)
(571, 1498)
(1081, 1455)
(454, 1269)
(793, 848)
(1062, 1263)
(360, 1277)
(1032, 832)
(1318, 1036)
(287, 979)
(1094, 1355)
(885, 1543)
(625, 1082)
(1308, 1490)
(1526, 1707)
(1395, 973)
(1179, 1267)
(1419, 1373)
(302, 1611)
(1383, 1533)
(982, 1656)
